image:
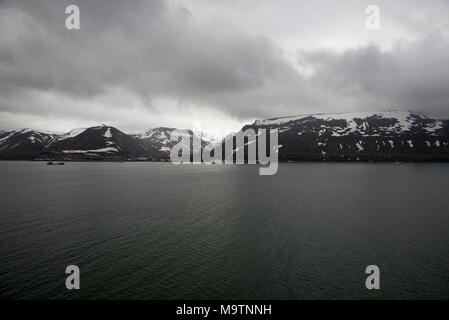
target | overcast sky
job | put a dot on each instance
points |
(140, 64)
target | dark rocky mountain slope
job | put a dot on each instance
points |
(376, 136)
(361, 136)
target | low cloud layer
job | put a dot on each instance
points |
(142, 64)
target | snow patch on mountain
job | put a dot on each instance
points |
(434, 126)
(356, 122)
(71, 134)
(391, 144)
(108, 134)
(108, 149)
(349, 116)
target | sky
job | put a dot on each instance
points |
(141, 64)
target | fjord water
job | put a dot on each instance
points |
(160, 231)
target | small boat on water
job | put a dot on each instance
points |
(51, 163)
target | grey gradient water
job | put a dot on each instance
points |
(159, 231)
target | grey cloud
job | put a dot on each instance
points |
(410, 76)
(157, 49)
(146, 48)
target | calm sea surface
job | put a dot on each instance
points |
(159, 231)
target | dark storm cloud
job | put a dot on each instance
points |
(147, 47)
(159, 49)
(411, 76)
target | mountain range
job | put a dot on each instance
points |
(360, 136)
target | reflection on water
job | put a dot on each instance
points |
(159, 231)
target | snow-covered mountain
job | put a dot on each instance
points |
(158, 140)
(377, 135)
(68, 135)
(95, 143)
(101, 142)
(17, 144)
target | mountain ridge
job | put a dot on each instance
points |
(388, 135)
(385, 135)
